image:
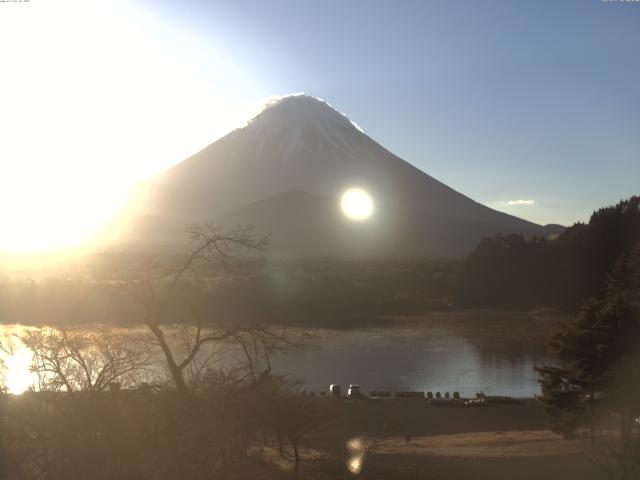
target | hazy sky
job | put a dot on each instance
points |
(535, 103)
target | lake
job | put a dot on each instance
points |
(468, 352)
(494, 352)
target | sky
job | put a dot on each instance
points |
(532, 108)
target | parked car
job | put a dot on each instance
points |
(335, 390)
(354, 391)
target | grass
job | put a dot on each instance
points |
(533, 443)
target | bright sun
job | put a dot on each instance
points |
(96, 102)
(356, 204)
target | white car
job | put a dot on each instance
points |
(354, 391)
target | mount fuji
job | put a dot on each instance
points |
(284, 172)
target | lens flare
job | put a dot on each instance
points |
(358, 451)
(356, 204)
(354, 465)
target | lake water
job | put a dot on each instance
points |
(468, 352)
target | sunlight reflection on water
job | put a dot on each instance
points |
(425, 358)
(16, 360)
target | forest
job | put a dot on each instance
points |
(519, 273)
(502, 272)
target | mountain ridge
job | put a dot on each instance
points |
(302, 144)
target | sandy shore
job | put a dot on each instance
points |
(497, 442)
(418, 417)
(530, 443)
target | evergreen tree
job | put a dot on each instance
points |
(598, 357)
(514, 272)
(569, 389)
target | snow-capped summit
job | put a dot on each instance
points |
(301, 122)
(299, 109)
(297, 142)
(284, 172)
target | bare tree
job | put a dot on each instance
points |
(359, 449)
(184, 288)
(85, 361)
(70, 427)
(295, 417)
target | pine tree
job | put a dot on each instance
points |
(598, 357)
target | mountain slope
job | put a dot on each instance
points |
(285, 171)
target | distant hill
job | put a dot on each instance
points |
(285, 172)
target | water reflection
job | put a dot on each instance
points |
(483, 353)
(15, 360)
(428, 358)
(19, 376)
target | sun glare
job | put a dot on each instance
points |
(356, 204)
(19, 376)
(95, 102)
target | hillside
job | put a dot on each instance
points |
(285, 171)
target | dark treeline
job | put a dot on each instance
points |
(502, 272)
(597, 356)
(331, 292)
(514, 272)
(592, 387)
(316, 291)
